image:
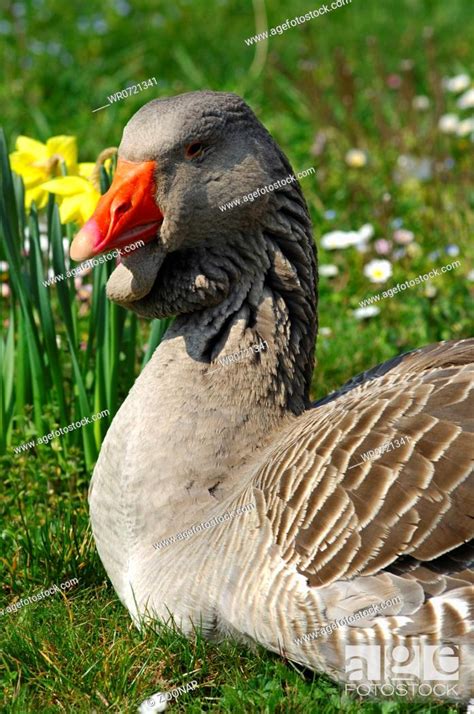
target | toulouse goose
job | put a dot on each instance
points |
(329, 533)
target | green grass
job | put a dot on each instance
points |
(321, 89)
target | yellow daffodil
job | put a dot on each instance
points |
(86, 169)
(36, 162)
(41, 167)
(89, 170)
(77, 196)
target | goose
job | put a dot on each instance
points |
(222, 496)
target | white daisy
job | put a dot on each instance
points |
(366, 232)
(340, 239)
(457, 84)
(466, 100)
(421, 103)
(345, 239)
(329, 270)
(362, 312)
(448, 123)
(403, 236)
(356, 158)
(378, 271)
(466, 127)
(430, 290)
(44, 243)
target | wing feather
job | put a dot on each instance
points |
(338, 514)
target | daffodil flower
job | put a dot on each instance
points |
(36, 162)
(77, 197)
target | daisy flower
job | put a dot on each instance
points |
(382, 246)
(421, 103)
(457, 84)
(345, 239)
(465, 127)
(466, 100)
(378, 271)
(448, 123)
(356, 158)
(363, 312)
(329, 270)
(340, 239)
(366, 232)
(403, 236)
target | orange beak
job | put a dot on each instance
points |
(125, 214)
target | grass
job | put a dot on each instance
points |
(323, 88)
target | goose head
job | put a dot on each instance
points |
(180, 160)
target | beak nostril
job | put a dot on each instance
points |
(122, 207)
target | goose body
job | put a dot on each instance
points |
(319, 533)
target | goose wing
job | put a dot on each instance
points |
(342, 504)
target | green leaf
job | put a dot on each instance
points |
(158, 329)
(46, 317)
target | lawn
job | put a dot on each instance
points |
(361, 95)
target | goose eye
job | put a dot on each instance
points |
(193, 150)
